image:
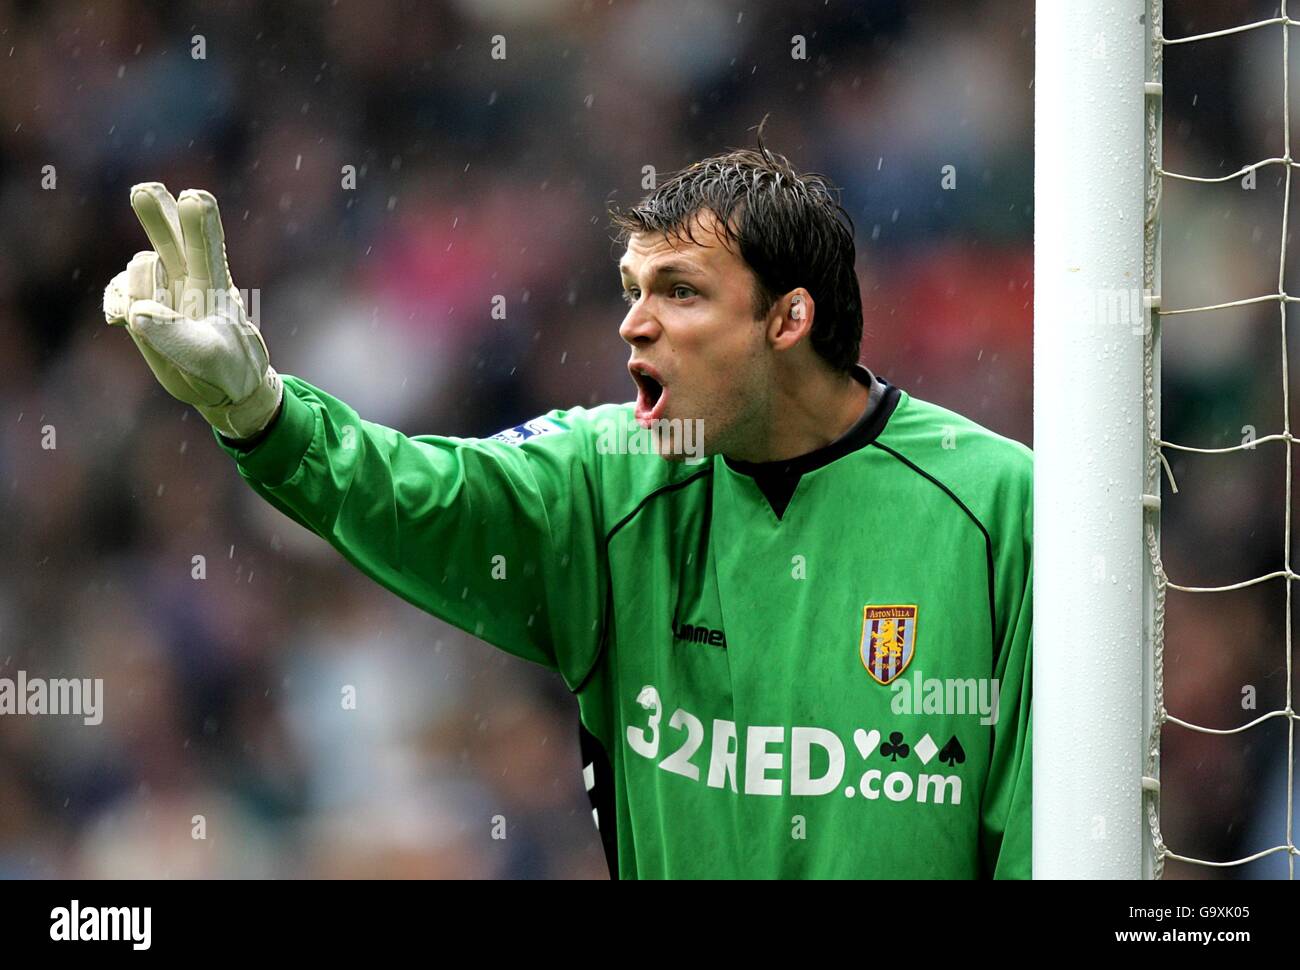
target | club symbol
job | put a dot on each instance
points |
(894, 748)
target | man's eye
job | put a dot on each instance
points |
(680, 289)
(629, 297)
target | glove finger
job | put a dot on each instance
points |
(116, 301)
(205, 241)
(146, 279)
(157, 212)
(143, 279)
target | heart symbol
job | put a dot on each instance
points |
(866, 741)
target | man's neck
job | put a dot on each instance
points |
(811, 411)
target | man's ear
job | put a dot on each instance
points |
(792, 318)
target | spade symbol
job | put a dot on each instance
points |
(952, 753)
(894, 748)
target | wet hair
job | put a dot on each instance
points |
(789, 228)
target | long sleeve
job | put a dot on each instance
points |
(500, 537)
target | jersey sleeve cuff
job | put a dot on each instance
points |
(276, 458)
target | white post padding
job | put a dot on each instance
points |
(1089, 559)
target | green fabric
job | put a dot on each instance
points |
(769, 755)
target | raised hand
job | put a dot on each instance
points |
(181, 308)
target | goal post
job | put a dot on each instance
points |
(1093, 336)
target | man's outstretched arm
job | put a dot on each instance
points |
(497, 539)
(501, 540)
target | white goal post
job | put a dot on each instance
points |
(1094, 330)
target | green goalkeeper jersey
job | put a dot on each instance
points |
(816, 668)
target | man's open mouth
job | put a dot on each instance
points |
(651, 393)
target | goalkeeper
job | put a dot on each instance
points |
(792, 600)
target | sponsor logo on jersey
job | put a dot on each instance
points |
(796, 759)
(699, 634)
(888, 640)
(529, 429)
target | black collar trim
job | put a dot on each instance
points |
(864, 432)
(778, 479)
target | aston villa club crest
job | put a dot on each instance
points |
(888, 640)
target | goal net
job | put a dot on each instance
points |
(1106, 588)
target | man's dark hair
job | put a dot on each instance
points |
(789, 228)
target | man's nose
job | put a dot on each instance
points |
(639, 326)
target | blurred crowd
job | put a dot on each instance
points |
(481, 176)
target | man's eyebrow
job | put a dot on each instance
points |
(667, 269)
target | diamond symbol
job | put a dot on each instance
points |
(925, 749)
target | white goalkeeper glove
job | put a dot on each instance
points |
(180, 307)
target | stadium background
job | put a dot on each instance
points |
(480, 177)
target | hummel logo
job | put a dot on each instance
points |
(699, 634)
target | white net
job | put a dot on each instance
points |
(1160, 584)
